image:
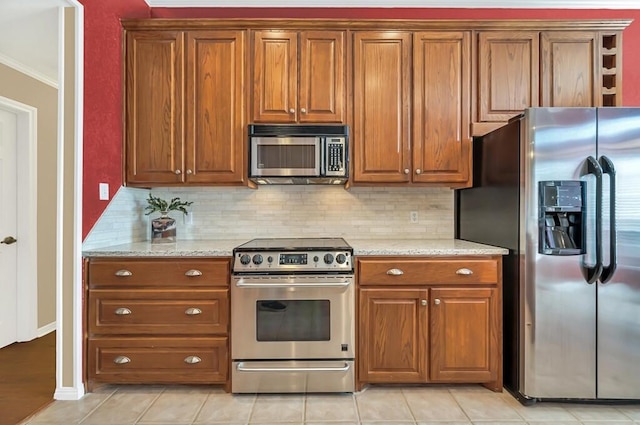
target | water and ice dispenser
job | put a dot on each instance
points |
(561, 217)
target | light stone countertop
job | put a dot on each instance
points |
(224, 248)
(422, 247)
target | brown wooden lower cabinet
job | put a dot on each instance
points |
(159, 360)
(446, 332)
(157, 320)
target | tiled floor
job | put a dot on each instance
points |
(431, 405)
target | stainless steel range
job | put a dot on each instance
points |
(292, 316)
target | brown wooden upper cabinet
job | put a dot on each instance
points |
(570, 70)
(299, 76)
(521, 69)
(184, 108)
(424, 75)
(508, 63)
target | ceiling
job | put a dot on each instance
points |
(29, 28)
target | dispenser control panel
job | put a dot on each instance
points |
(561, 217)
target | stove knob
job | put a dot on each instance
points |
(316, 259)
(328, 258)
(270, 259)
(245, 259)
(341, 258)
(257, 259)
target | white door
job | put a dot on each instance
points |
(8, 227)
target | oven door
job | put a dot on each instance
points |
(292, 317)
(286, 156)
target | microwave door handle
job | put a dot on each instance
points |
(322, 145)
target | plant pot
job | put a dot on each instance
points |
(163, 229)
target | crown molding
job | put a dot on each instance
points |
(466, 4)
(24, 69)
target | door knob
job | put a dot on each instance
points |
(9, 240)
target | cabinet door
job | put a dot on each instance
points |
(214, 147)
(441, 102)
(508, 67)
(322, 77)
(393, 335)
(382, 105)
(275, 76)
(153, 102)
(570, 69)
(465, 334)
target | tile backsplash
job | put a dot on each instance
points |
(283, 211)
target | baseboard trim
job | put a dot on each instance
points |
(46, 329)
(68, 393)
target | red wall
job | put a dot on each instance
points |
(102, 157)
(103, 67)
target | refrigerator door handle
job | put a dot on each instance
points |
(592, 273)
(608, 168)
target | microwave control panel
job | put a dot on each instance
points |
(335, 156)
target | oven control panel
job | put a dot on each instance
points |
(291, 261)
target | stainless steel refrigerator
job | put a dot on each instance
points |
(560, 189)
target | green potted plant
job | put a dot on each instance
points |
(163, 229)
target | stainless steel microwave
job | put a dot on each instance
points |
(299, 154)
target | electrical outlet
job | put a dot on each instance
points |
(104, 191)
(413, 216)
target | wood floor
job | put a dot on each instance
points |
(27, 378)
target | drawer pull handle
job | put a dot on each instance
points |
(123, 311)
(122, 360)
(436, 301)
(464, 272)
(193, 272)
(192, 359)
(123, 273)
(192, 311)
(395, 272)
(423, 302)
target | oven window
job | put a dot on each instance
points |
(293, 320)
(287, 156)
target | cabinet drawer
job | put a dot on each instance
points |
(420, 271)
(152, 311)
(159, 272)
(157, 360)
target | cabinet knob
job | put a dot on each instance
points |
(436, 301)
(123, 311)
(192, 359)
(395, 272)
(192, 311)
(178, 172)
(406, 171)
(464, 272)
(123, 273)
(189, 171)
(423, 302)
(418, 171)
(193, 272)
(303, 110)
(292, 111)
(122, 360)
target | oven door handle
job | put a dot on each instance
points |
(241, 284)
(241, 368)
